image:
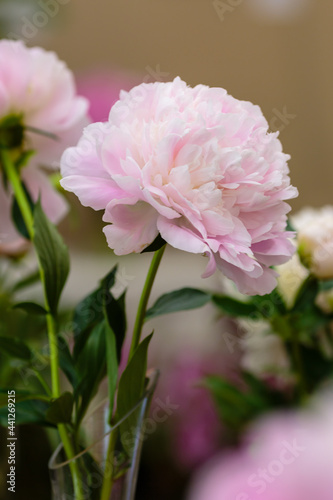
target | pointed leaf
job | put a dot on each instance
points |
(178, 300)
(27, 412)
(111, 367)
(131, 389)
(21, 396)
(29, 280)
(15, 348)
(90, 311)
(53, 256)
(91, 367)
(30, 308)
(66, 362)
(17, 216)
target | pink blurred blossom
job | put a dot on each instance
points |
(39, 90)
(195, 165)
(287, 456)
(194, 428)
(102, 89)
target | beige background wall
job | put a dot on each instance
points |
(275, 64)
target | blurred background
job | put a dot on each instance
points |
(275, 53)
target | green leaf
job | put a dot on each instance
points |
(90, 311)
(17, 215)
(15, 348)
(234, 307)
(27, 281)
(53, 257)
(27, 412)
(21, 396)
(66, 362)
(236, 407)
(269, 305)
(179, 300)
(91, 367)
(30, 308)
(158, 243)
(306, 295)
(60, 410)
(111, 367)
(116, 318)
(131, 389)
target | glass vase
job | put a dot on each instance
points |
(94, 465)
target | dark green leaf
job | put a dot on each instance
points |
(30, 308)
(91, 367)
(306, 295)
(60, 410)
(179, 300)
(27, 412)
(53, 256)
(90, 311)
(29, 280)
(111, 367)
(116, 318)
(269, 305)
(15, 348)
(66, 362)
(235, 307)
(21, 396)
(17, 216)
(131, 389)
(236, 407)
(158, 243)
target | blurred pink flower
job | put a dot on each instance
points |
(287, 456)
(102, 89)
(38, 90)
(195, 165)
(194, 428)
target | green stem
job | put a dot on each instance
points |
(108, 470)
(27, 215)
(140, 316)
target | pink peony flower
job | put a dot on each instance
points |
(38, 91)
(287, 456)
(197, 167)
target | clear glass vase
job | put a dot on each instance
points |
(94, 465)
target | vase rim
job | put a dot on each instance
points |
(153, 376)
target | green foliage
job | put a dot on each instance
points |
(53, 257)
(17, 215)
(90, 311)
(15, 348)
(131, 389)
(31, 308)
(237, 407)
(27, 412)
(60, 410)
(178, 300)
(90, 368)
